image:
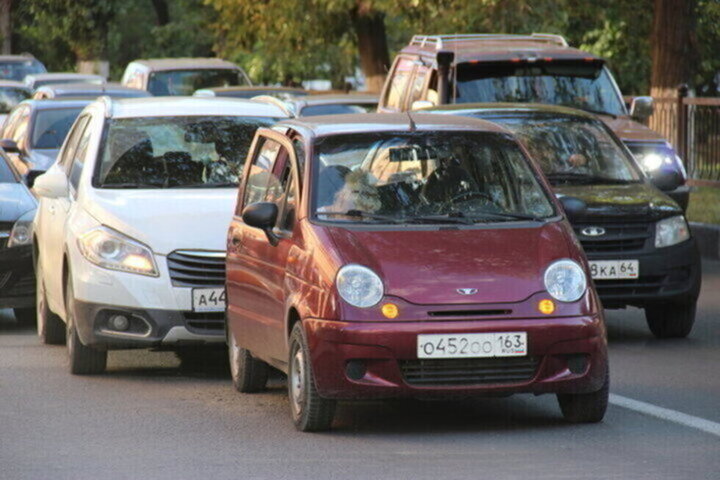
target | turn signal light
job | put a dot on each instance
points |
(390, 310)
(546, 306)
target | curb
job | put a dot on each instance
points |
(708, 239)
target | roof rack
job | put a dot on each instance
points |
(441, 40)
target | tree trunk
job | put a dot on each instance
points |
(369, 27)
(6, 26)
(162, 13)
(673, 45)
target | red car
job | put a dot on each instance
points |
(376, 256)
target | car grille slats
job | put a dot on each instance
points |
(205, 322)
(196, 268)
(471, 371)
(621, 235)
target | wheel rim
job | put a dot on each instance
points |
(234, 352)
(40, 303)
(297, 381)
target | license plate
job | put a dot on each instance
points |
(614, 269)
(472, 345)
(208, 299)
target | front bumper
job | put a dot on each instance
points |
(667, 275)
(386, 351)
(17, 277)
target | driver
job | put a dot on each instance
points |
(450, 179)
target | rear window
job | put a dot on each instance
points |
(52, 126)
(176, 152)
(185, 82)
(19, 69)
(337, 109)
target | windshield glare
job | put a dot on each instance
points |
(167, 152)
(337, 109)
(18, 70)
(52, 126)
(11, 96)
(579, 85)
(572, 149)
(404, 176)
(185, 82)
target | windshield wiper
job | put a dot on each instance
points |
(505, 215)
(362, 214)
(450, 217)
(207, 185)
(582, 178)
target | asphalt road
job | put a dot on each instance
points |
(149, 418)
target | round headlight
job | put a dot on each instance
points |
(565, 280)
(359, 286)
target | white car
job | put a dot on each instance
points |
(130, 233)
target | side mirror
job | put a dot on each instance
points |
(420, 104)
(641, 108)
(262, 215)
(666, 180)
(573, 206)
(31, 176)
(9, 145)
(51, 185)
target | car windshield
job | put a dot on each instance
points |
(176, 152)
(185, 82)
(587, 86)
(337, 109)
(19, 69)
(573, 149)
(52, 126)
(444, 177)
(11, 96)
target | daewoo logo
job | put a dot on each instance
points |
(593, 231)
(467, 291)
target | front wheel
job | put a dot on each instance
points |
(310, 412)
(585, 407)
(249, 375)
(672, 320)
(83, 360)
(50, 327)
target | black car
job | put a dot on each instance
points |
(17, 210)
(636, 238)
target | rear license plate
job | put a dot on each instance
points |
(208, 299)
(614, 269)
(472, 345)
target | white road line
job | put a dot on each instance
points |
(674, 416)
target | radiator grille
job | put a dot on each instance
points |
(196, 268)
(471, 371)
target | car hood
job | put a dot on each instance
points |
(630, 130)
(429, 266)
(632, 200)
(41, 159)
(15, 200)
(167, 220)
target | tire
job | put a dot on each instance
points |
(585, 407)
(25, 316)
(83, 360)
(249, 375)
(50, 327)
(671, 320)
(310, 412)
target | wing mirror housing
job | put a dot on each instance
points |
(51, 185)
(641, 108)
(666, 180)
(10, 146)
(573, 206)
(262, 215)
(31, 176)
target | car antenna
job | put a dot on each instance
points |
(413, 127)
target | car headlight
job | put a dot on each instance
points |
(22, 231)
(652, 160)
(565, 280)
(110, 249)
(359, 286)
(671, 231)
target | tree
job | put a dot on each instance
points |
(6, 26)
(674, 46)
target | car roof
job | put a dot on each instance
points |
(497, 47)
(17, 58)
(58, 75)
(263, 88)
(13, 83)
(510, 109)
(323, 125)
(68, 89)
(339, 98)
(189, 106)
(47, 104)
(158, 64)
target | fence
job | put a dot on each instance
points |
(692, 125)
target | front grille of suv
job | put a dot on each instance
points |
(197, 268)
(470, 371)
(620, 235)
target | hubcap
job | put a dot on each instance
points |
(297, 380)
(234, 351)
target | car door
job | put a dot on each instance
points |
(393, 97)
(255, 268)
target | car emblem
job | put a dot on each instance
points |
(467, 291)
(593, 231)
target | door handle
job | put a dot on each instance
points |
(51, 208)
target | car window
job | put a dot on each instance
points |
(176, 152)
(12, 121)
(52, 126)
(78, 160)
(416, 88)
(65, 160)
(260, 177)
(398, 84)
(408, 176)
(185, 82)
(288, 202)
(11, 96)
(6, 171)
(17, 70)
(20, 131)
(337, 109)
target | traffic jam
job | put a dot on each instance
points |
(440, 240)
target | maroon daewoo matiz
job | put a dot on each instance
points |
(417, 255)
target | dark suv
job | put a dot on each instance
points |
(538, 68)
(638, 243)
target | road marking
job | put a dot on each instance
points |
(674, 416)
